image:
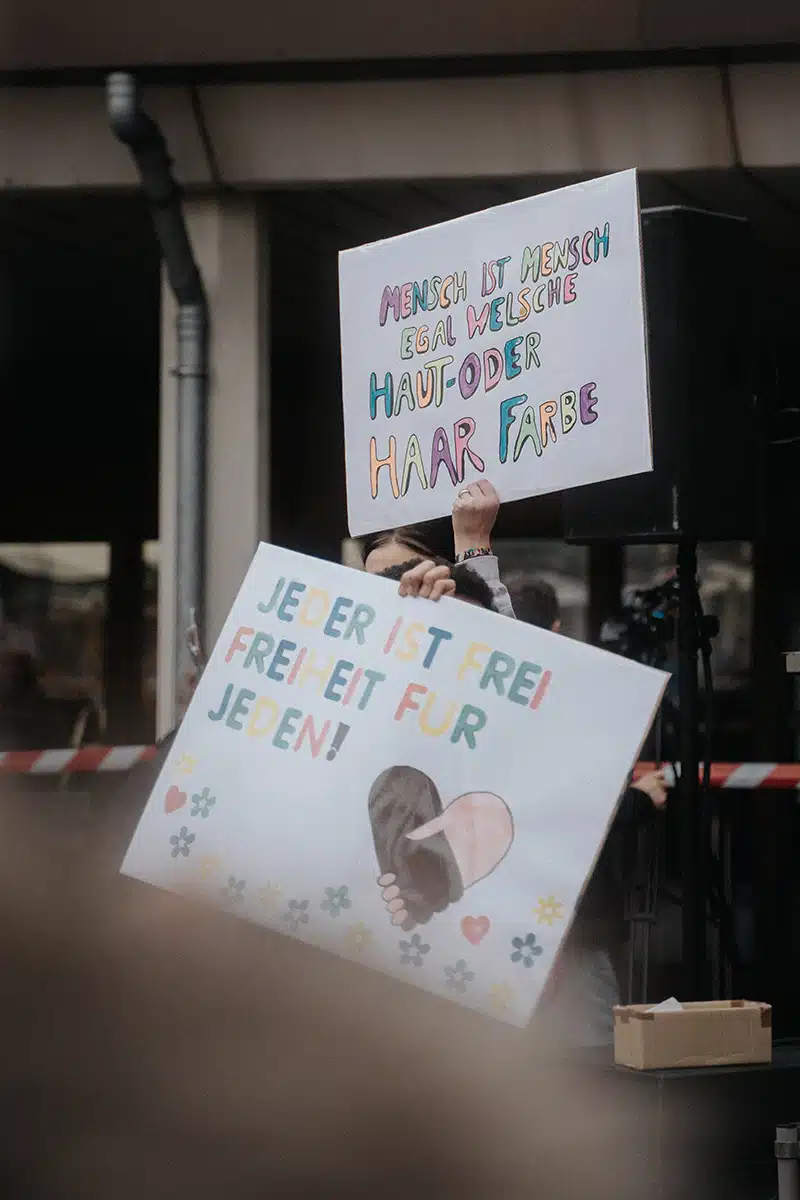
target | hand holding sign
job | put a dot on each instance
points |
(654, 786)
(428, 581)
(474, 514)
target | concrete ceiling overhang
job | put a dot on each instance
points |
(39, 35)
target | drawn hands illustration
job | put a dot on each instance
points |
(394, 902)
(477, 829)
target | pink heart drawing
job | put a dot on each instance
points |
(174, 799)
(475, 929)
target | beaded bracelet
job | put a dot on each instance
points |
(475, 552)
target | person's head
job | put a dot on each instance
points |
(391, 547)
(536, 603)
(470, 586)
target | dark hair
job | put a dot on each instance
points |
(469, 584)
(432, 539)
(535, 602)
(472, 586)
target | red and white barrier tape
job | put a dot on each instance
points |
(88, 758)
(749, 776)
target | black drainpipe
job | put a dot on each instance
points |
(146, 142)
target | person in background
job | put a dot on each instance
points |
(584, 986)
(536, 603)
(467, 541)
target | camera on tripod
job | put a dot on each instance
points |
(645, 625)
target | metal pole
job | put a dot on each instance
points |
(192, 373)
(787, 1152)
(148, 147)
(694, 848)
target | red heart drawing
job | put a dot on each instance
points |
(174, 799)
(475, 929)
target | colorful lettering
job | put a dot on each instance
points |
(569, 417)
(375, 393)
(440, 454)
(237, 644)
(376, 464)
(471, 661)
(587, 402)
(262, 705)
(286, 728)
(425, 718)
(261, 646)
(462, 433)
(315, 740)
(470, 721)
(528, 431)
(546, 413)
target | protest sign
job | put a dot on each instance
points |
(508, 344)
(422, 787)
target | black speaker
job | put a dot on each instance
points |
(707, 440)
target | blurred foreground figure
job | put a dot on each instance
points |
(154, 1049)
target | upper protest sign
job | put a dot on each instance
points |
(508, 344)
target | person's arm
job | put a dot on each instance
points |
(602, 906)
(487, 566)
(639, 800)
(474, 514)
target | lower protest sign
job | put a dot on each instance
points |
(422, 787)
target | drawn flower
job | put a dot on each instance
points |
(335, 900)
(549, 910)
(525, 950)
(269, 895)
(207, 866)
(234, 890)
(181, 842)
(296, 915)
(358, 937)
(501, 997)
(458, 976)
(412, 951)
(202, 803)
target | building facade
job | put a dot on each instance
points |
(296, 134)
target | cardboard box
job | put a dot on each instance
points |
(717, 1033)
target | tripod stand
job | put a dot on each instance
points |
(694, 831)
(702, 886)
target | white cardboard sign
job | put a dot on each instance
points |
(508, 344)
(341, 735)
